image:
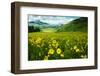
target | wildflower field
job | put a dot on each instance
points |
(57, 45)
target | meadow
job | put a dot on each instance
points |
(57, 45)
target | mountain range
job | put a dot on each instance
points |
(40, 24)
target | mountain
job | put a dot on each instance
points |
(41, 24)
(80, 24)
(38, 22)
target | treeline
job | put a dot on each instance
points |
(33, 29)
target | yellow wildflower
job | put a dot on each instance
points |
(62, 55)
(54, 41)
(56, 45)
(75, 47)
(58, 51)
(38, 40)
(48, 55)
(83, 56)
(46, 58)
(53, 44)
(32, 43)
(77, 50)
(51, 51)
(50, 46)
(38, 46)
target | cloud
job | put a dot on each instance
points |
(53, 20)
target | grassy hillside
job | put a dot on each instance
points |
(80, 24)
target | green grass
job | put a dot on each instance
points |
(48, 30)
(57, 45)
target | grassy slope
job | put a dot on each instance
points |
(75, 25)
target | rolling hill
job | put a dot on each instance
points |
(80, 24)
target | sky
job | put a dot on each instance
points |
(53, 20)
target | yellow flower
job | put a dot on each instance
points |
(77, 50)
(46, 58)
(50, 46)
(38, 46)
(38, 40)
(54, 41)
(56, 45)
(58, 51)
(62, 55)
(75, 47)
(83, 56)
(51, 51)
(53, 44)
(48, 55)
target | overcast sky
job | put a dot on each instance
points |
(52, 19)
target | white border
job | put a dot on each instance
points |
(25, 64)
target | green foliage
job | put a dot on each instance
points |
(62, 45)
(33, 29)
